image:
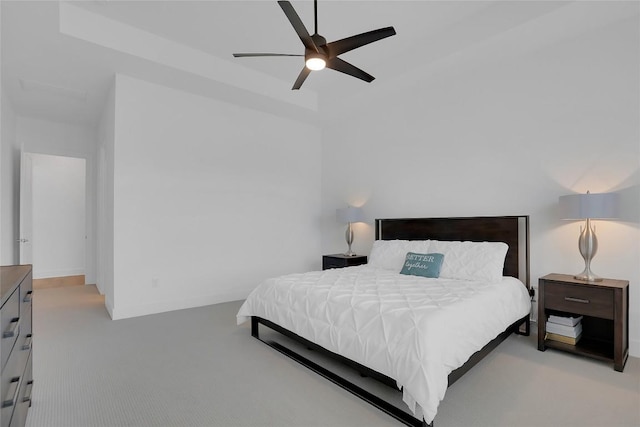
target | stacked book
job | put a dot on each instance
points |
(566, 329)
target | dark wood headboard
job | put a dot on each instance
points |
(512, 230)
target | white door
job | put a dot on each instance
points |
(26, 209)
(58, 216)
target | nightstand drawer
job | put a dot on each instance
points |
(327, 264)
(579, 299)
(340, 261)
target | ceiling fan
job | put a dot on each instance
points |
(319, 54)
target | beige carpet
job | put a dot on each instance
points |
(197, 368)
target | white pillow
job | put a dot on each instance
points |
(471, 260)
(390, 254)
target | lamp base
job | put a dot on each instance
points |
(348, 235)
(588, 245)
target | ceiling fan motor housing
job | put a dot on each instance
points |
(321, 44)
(319, 40)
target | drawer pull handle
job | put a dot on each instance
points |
(27, 393)
(11, 330)
(580, 300)
(27, 343)
(13, 392)
(27, 297)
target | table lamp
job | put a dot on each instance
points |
(348, 216)
(589, 206)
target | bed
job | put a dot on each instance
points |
(418, 334)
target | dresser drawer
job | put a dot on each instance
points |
(10, 386)
(579, 299)
(26, 294)
(25, 320)
(19, 418)
(9, 325)
(22, 350)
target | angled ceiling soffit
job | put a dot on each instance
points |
(97, 29)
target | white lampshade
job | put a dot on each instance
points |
(349, 214)
(594, 206)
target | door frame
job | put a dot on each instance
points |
(26, 240)
(25, 243)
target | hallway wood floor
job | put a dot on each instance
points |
(58, 282)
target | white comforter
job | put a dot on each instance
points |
(412, 329)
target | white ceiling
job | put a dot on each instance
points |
(66, 71)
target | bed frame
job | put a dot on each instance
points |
(513, 230)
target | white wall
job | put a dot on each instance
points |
(9, 185)
(209, 199)
(62, 139)
(104, 192)
(502, 136)
(58, 193)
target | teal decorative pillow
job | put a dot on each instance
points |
(425, 265)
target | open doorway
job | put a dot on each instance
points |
(58, 220)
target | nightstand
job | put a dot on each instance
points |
(605, 309)
(340, 260)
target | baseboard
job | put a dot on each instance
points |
(108, 304)
(48, 274)
(117, 313)
(634, 348)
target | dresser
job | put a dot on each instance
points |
(15, 346)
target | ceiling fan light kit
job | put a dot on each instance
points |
(320, 54)
(315, 62)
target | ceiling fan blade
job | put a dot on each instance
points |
(246, 55)
(297, 24)
(345, 45)
(301, 78)
(344, 67)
